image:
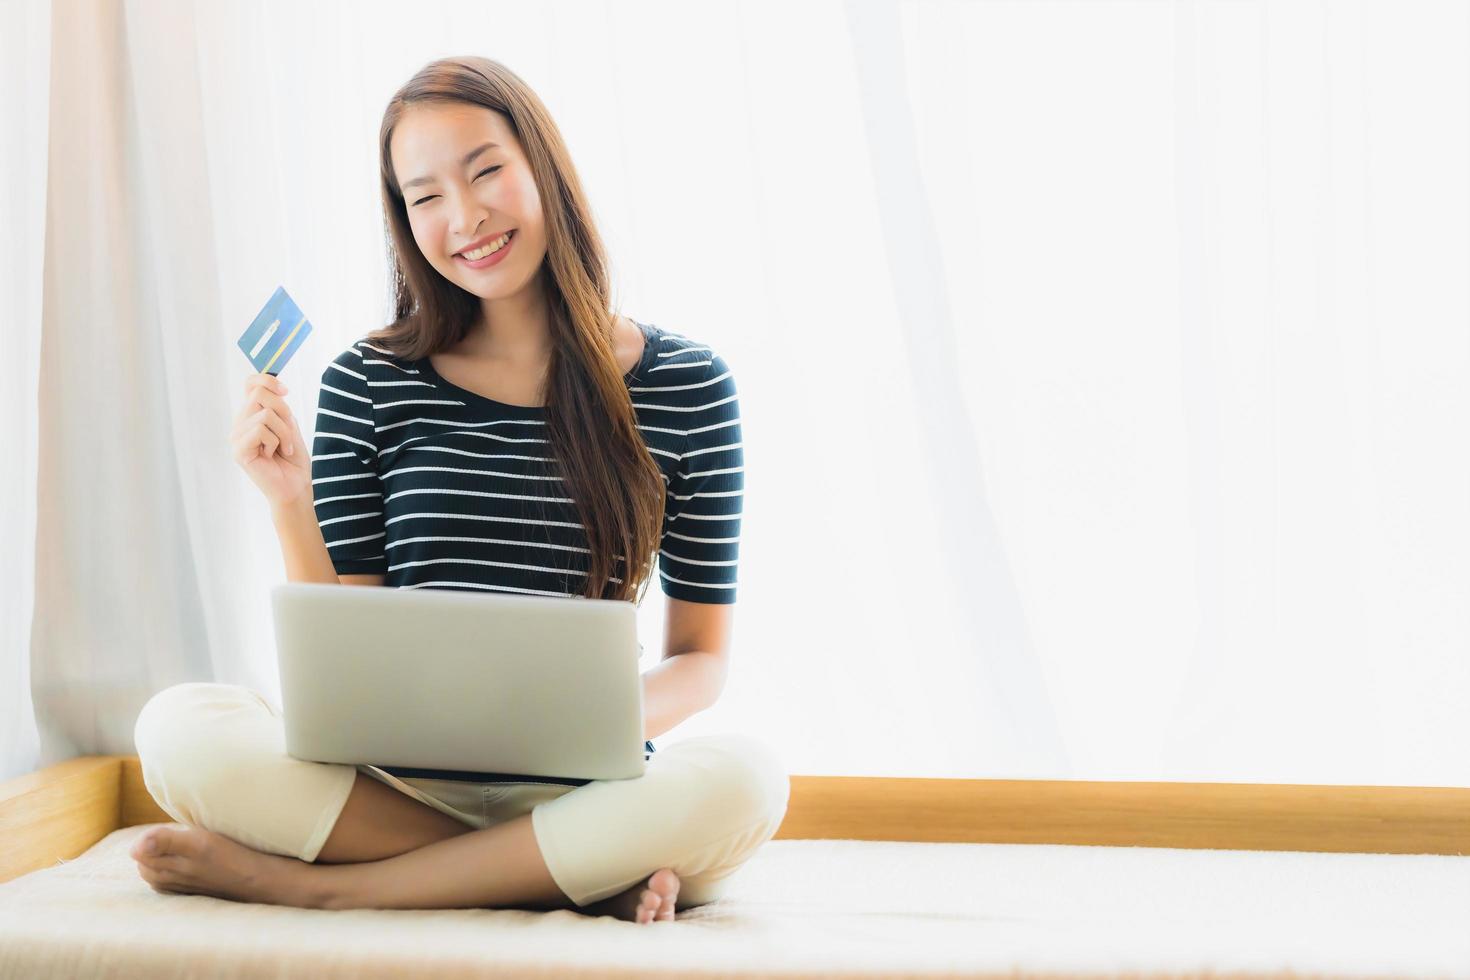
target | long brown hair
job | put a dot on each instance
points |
(605, 465)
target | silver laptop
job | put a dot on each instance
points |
(460, 685)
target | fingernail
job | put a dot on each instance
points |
(290, 449)
(150, 846)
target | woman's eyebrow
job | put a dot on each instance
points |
(463, 163)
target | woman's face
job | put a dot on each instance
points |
(455, 203)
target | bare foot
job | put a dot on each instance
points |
(195, 861)
(651, 902)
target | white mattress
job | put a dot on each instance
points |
(802, 908)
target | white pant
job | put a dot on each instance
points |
(214, 756)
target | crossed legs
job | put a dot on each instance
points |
(264, 826)
(388, 850)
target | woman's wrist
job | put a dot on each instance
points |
(291, 511)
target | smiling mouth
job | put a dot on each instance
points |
(508, 236)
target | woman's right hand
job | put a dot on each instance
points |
(268, 444)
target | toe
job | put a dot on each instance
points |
(184, 842)
(168, 841)
(150, 851)
(165, 841)
(666, 884)
(144, 846)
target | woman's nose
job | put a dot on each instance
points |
(470, 217)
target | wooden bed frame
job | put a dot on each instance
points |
(62, 810)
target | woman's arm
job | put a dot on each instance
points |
(302, 545)
(695, 663)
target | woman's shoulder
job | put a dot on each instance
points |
(366, 353)
(372, 351)
(675, 358)
(688, 376)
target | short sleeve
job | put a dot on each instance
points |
(701, 540)
(344, 470)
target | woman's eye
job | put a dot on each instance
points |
(477, 177)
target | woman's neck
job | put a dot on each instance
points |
(509, 332)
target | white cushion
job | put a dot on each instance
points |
(806, 908)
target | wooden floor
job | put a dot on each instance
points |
(62, 810)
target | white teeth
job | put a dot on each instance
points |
(494, 246)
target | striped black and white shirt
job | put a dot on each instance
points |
(434, 486)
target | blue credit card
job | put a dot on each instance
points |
(276, 333)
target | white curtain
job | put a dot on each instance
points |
(1104, 366)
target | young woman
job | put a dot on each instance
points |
(506, 432)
